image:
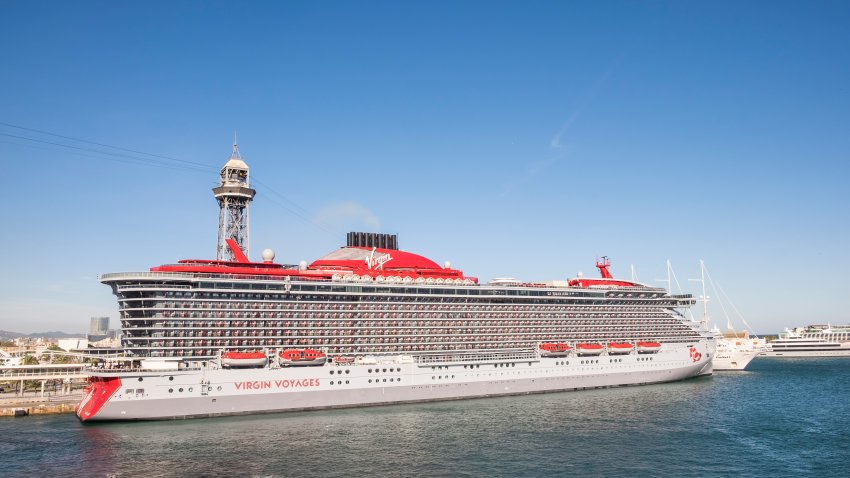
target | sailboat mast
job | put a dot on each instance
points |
(704, 297)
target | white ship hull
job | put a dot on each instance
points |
(155, 395)
(734, 360)
(838, 352)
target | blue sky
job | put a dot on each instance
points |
(513, 138)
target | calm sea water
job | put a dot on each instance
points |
(783, 417)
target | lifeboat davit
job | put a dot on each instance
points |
(589, 349)
(301, 357)
(243, 359)
(619, 348)
(554, 349)
(648, 347)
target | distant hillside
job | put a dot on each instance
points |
(6, 335)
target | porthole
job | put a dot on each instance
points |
(180, 390)
(385, 380)
(391, 380)
(370, 370)
(346, 382)
(339, 382)
(332, 372)
(170, 390)
(219, 388)
(348, 371)
(370, 380)
(398, 379)
(331, 382)
(385, 370)
(190, 389)
(170, 379)
(140, 379)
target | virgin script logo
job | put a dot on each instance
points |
(374, 262)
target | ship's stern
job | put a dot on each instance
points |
(101, 389)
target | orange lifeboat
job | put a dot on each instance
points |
(339, 359)
(557, 349)
(619, 348)
(648, 347)
(589, 349)
(243, 359)
(301, 357)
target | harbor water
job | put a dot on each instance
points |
(782, 417)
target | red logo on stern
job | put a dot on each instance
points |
(696, 356)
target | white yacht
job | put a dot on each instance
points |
(811, 341)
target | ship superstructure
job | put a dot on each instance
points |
(359, 300)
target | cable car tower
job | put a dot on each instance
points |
(233, 194)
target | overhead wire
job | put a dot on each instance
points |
(151, 159)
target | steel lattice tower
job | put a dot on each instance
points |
(233, 194)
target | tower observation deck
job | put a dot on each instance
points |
(233, 194)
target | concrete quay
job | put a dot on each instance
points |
(18, 406)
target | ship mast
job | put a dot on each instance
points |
(703, 298)
(233, 194)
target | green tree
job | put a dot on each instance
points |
(29, 360)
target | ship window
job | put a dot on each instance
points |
(332, 372)
(140, 391)
(348, 371)
(140, 379)
(339, 382)
(180, 390)
(170, 390)
(128, 391)
(385, 380)
(370, 370)
(346, 382)
(219, 388)
(170, 379)
(190, 389)
(370, 380)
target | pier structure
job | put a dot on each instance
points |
(67, 373)
(234, 194)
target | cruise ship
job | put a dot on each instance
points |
(370, 324)
(811, 341)
(379, 325)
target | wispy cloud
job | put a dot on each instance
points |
(556, 143)
(347, 215)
